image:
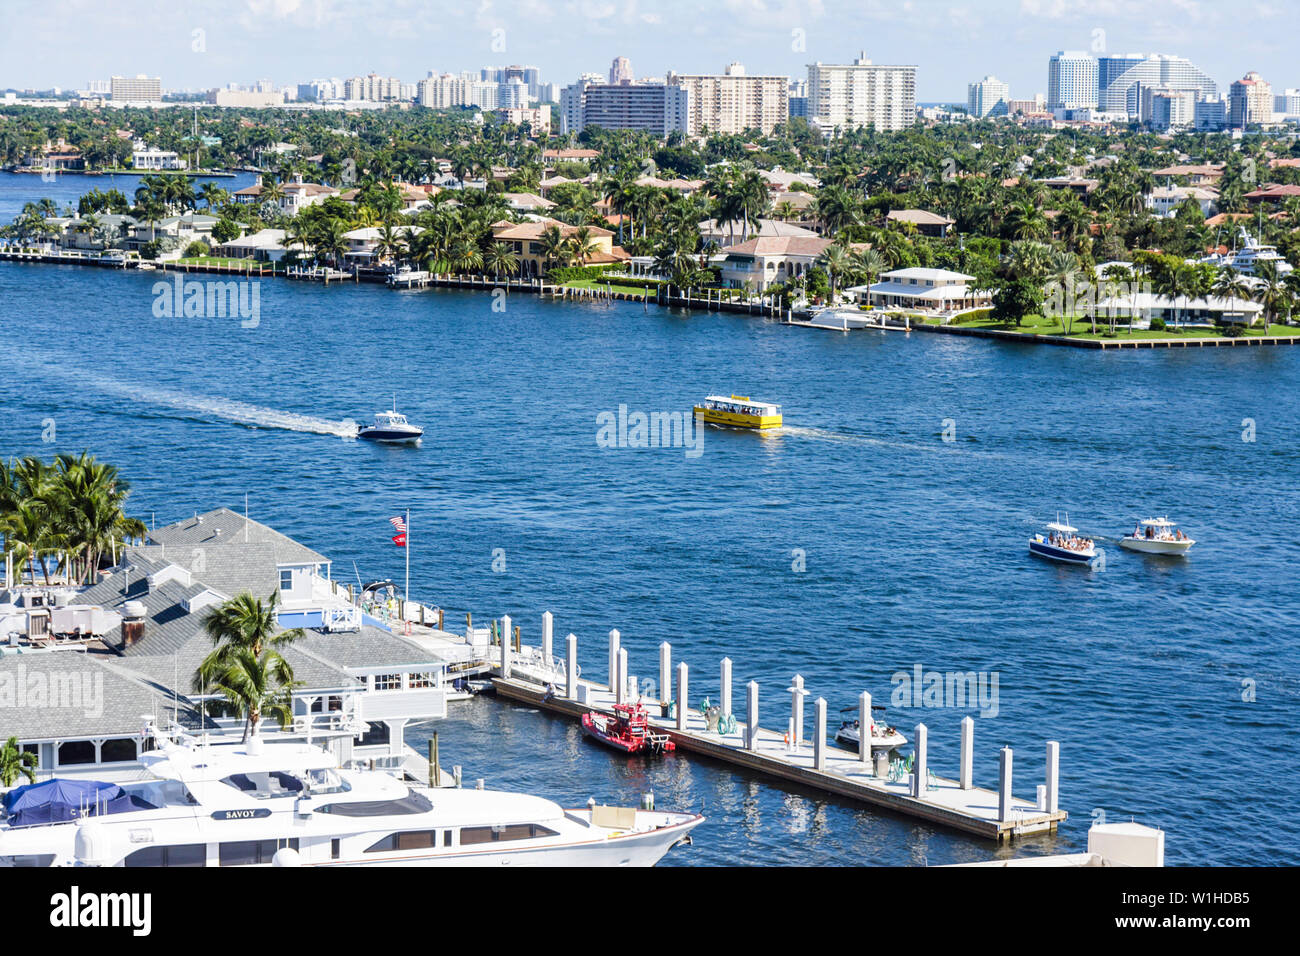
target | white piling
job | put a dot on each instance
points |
(725, 702)
(751, 715)
(548, 624)
(620, 695)
(613, 661)
(864, 728)
(1053, 775)
(505, 647)
(665, 671)
(919, 748)
(797, 694)
(571, 667)
(819, 728)
(1004, 784)
(966, 775)
(681, 696)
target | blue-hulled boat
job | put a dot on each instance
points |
(1063, 543)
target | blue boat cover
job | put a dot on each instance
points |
(58, 800)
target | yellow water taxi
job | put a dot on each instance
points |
(738, 411)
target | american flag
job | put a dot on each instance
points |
(399, 524)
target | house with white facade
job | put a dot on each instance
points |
(924, 290)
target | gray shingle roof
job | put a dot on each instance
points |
(368, 647)
(178, 667)
(109, 701)
(223, 525)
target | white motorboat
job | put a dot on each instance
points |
(391, 428)
(1157, 536)
(241, 804)
(883, 737)
(1063, 543)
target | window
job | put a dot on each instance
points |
(117, 750)
(189, 854)
(503, 834)
(252, 852)
(408, 840)
(286, 580)
(388, 682)
(76, 751)
(376, 733)
(426, 679)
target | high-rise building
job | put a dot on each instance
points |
(1286, 103)
(734, 101)
(1210, 115)
(1250, 102)
(373, 88)
(1164, 109)
(1121, 80)
(135, 89)
(656, 108)
(988, 97)
(620, 71)
(861, 93)
(1071, 81)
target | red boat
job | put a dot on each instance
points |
(627, 729)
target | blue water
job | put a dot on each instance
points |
(914, 548)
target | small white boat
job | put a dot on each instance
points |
(1063, 543)
(883, 737)
(391, 428)
(1157, 536)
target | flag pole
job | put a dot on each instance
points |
(408, 554)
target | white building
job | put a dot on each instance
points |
(1165, 200)
(861, 94)
(1250, 102)
(1123, 80)
(988, 97)
(734, 101)
(1071, 81)
(144, 157)
(929, 290)
(136, 89)
(1164, 109)
(620, 71)
(652, 107)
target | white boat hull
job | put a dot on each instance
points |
(1155, 545)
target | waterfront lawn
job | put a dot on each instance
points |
(238, 265)
(606, 286)
(1082, 329)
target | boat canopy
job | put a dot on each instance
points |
(742, 401)
(59, 800)
(1063, 528)
(1157, 523)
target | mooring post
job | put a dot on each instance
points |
(435, 778)
(797, 694)
(751, 715)
(682, 705)
(505, 647)
(1004, 784)
(864, 729)
(725, 694)
(819, 728)
(1053, 774)
(665, 672)
(918, 765)
(966, 776)
(571, 667)
(548, 623)
(620, 696)
(613, 661)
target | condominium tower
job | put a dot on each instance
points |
(1071, 81)
(734, 101)
(861, 93)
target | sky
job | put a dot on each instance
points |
(201, 44)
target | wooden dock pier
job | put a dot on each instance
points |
(815, 763)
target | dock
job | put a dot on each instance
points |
(813, 761)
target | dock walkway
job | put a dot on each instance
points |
(945, 802)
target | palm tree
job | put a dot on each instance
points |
(245, 665)
(1270, 291)
(16, 762)
(836, 261)
(499, 258)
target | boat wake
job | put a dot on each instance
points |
(224, 409)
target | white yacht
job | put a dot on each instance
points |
(241, 804)
(1248, 256)
(1157, 536)
(883, 737)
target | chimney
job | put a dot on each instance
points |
(133, 615)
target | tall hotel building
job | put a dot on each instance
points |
(1071, 81)
(734, 101)
(860, 94)
(988, 97)
(135, 89)
(1250, 102)
(1123, 80)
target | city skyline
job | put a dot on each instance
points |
(953, 44)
